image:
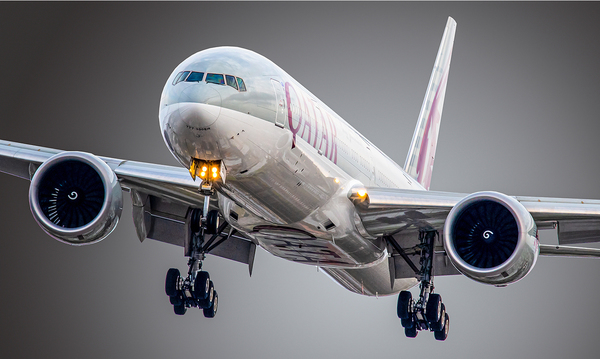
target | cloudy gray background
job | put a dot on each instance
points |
(521, 117)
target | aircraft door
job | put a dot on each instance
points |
(280, 115)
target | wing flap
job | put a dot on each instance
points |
(563, 251)
(579, 231)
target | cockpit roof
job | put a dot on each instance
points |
(230, 60)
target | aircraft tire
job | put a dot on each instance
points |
(410, 332)
(212, 311)
(404, 299)
(208, 301)
(180, 309)
(434, 308)
(171, 282)
(202, 285)
(196, 220)
(407, 322)
(212, 222)
(443, 334)
(175, 300)
(439, 325)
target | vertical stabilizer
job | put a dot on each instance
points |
(419, 162)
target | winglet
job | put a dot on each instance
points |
(419, 161)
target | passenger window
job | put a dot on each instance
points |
(241, 84)
(195, 77)
(215, 79)
(231, 81)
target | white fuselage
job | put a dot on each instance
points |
(290, 162)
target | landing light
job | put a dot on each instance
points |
(359, 194)
(207, 170)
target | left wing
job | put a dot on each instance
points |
(163, 197)
(387, 211)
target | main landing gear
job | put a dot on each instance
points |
(197, 290)
(428, 312)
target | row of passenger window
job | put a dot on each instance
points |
(219, 79)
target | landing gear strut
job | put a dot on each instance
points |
(197, 290)
(428, 312)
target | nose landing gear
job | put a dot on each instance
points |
(197, 290)
(428, 312)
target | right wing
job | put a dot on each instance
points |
(163, 197)
(400, 216)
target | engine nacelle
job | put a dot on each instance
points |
(491, 238)
(76, 198)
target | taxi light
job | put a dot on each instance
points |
(337, 180)
(361, 193)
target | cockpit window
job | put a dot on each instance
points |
(241, 84)
(231, 81)
(219, 79)
(195, 77)
(215, 79)
(180, 77)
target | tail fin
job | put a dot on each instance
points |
(419, 162)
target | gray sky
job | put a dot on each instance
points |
(520, 117)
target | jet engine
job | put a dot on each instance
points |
(76, 198)
(491, 238)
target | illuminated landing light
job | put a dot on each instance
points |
(337, 180)
(358, 194)
(206, 170)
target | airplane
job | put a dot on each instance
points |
(266, 163)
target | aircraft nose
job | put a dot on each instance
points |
(196, 116)
(188, 116)
(192, 106)
(198, 93)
